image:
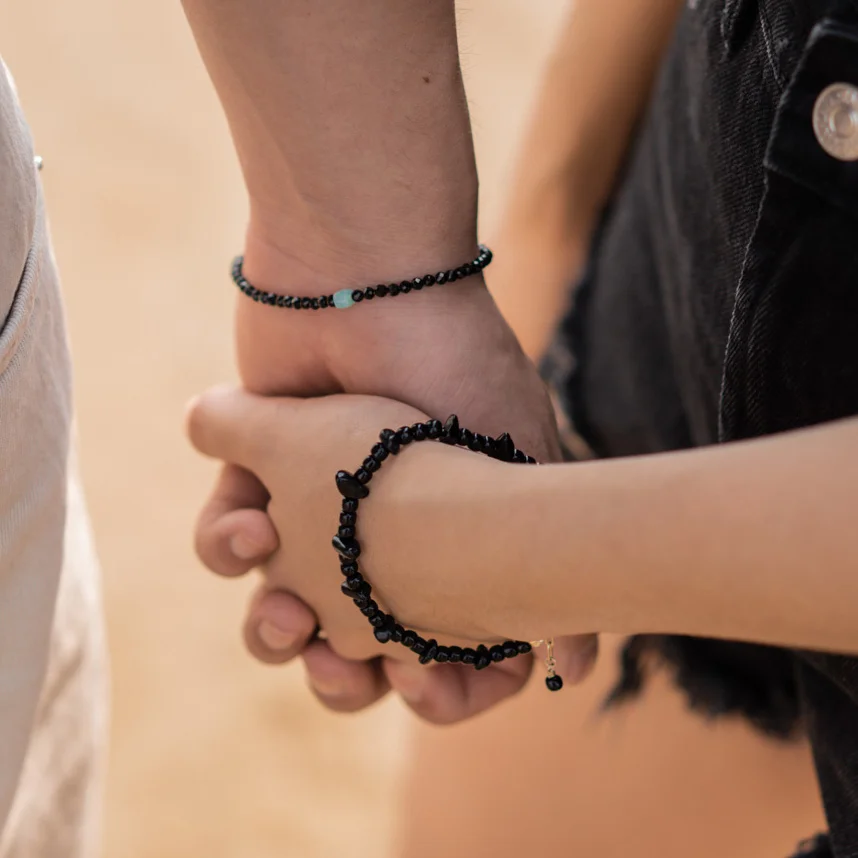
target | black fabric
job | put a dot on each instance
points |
(720, 303)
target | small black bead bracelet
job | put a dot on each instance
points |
(354, 489)
(345, 298)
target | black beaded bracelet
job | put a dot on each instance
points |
(345, 298)
(354, 489)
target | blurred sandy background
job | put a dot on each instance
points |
(212, 755)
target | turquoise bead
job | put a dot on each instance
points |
(343, 299)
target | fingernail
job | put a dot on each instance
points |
(275, 639)
(411, 684)
(243, 548)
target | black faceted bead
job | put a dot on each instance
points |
(381, 290)
(288, 300)
(404, 435)
(350, 486)
(281, 300)
(441, 277)
(405, 287)
(379, 452)
(443, 655)
(475, 444)
(554, 683)
(348, 567)
(314, 303)
(306, 303)
(531, 460)
(398, 633)
(418, 432)
(451, 428)
(523, 647)
(346, 533)
(323, 301)
(370, 465)
(510, 650)
(452, 275)
(434, 429)
(349, 548)
(466, 437)
(419, 645)
(348, 519)
(408, 639)
(487, 445)
(369, 293)
(483, 658)
(417, 283)
(353, 583)
(357, 296)
(469, 656)
(370, 608)
(519, 457)
(496, 653)
(378, 620)
(347, 591)
(350, 505)
(383, 634)
(430, 651)
(429, 280)
(362, 475)
(455, 654)
(505, 448)
(390, 441)
(394, 289)
(361, 600)
(467, 269)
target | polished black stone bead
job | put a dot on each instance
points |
(452, 275)
(381, 290)
(353, 583)
(430, 651)
(370, 465)
(404, 435)
(554, 683)
(347, 591)
(483, 658)
(466, 437)
(496, 653)
(361, 600)
(443, 655)
(398, 633)
(393, 289)
(350, 487)
(350, 505)
(348, 519)
(467, 269)
(429, 280)
(441, 277)
(346, 532)
(523, 647)
(379, 452)
(296, 304)
(365, 588)
(418, 432)
(323, 301)
(357, 296)
(510, 650)
(419, 646)
(349, 548)
(460, 272)
(390, 441)
(405, 287)
(383, 634)
(306, 303)
(469, 656)
(455, 654)
(281, 300)
(434, 429)
(314, 303)
(417, 283)
(451, 428)
(348, 567)
(475, 444)
(370, 609)
(287, 301)
(369, 293)
(487, 445)
(362, 475)
(505, 448)
(531, 460)
(378, 620)
(519, 457)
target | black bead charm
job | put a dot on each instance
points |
(353, 489)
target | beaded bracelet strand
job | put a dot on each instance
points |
(345, 298)
(354, 489)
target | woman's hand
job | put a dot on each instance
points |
(407, 530)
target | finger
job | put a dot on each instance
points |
(236, 426)
(343, 685)
(234, 533)
(445, 694)
(278, 626)
(576, 657)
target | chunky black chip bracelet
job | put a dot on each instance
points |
(345, 298)
(354, 488)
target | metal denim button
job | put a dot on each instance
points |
(835, 121)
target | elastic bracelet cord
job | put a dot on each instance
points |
(354, 489)
(345, 298)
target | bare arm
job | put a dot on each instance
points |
(596, 86)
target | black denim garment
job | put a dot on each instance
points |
(720, 303)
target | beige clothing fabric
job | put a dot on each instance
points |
(52, 712)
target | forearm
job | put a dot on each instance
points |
(352, 129)
(753, 541)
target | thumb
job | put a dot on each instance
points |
(235, 426)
